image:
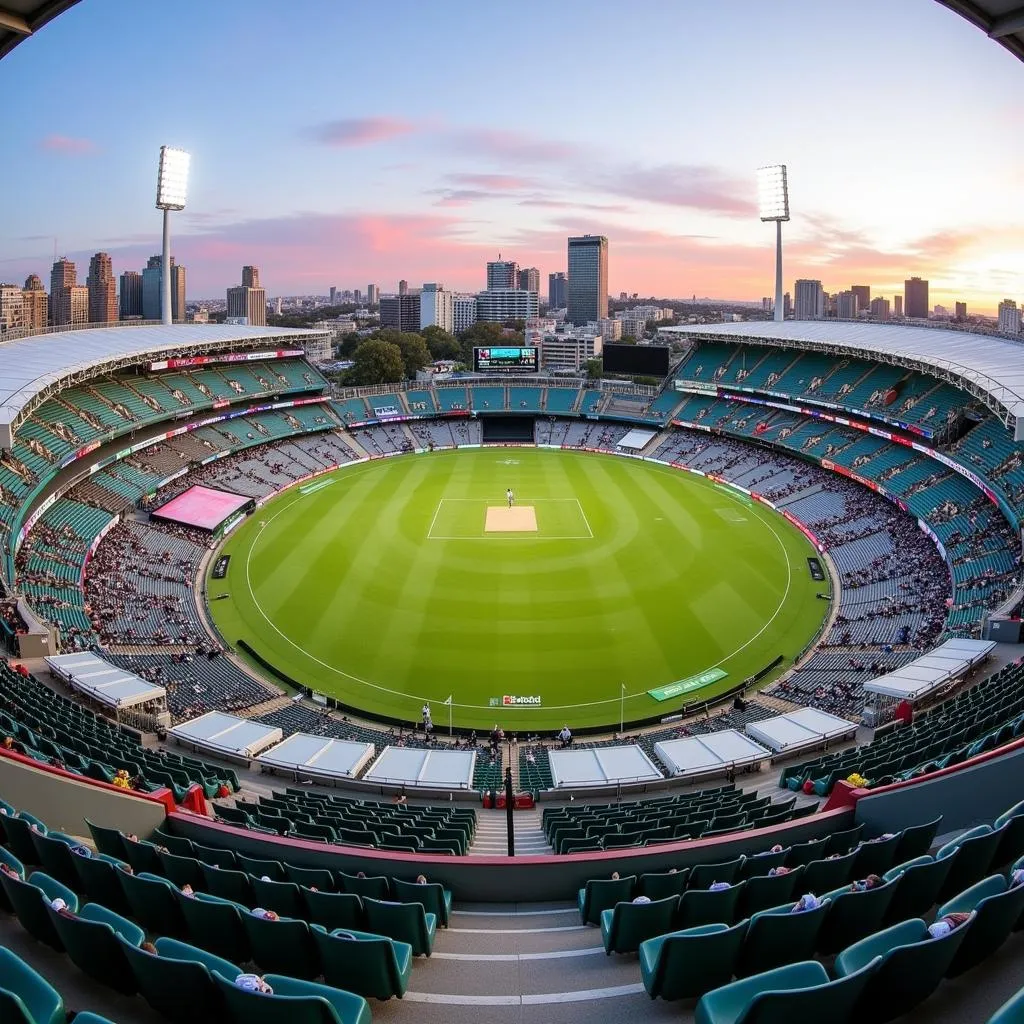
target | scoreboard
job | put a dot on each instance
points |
(505, 360)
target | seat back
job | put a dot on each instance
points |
(28, 996)
(632, 923)
(778, 936)
(180, 990)
(284, 947)
(217, 924)
(826, 875)
(245, 1007)
(765, 891)
(854, 915)
(431, 895)
(972, 858)
(696, 960)
(916, 840)
(917, 887)
(604, 893)
(360, 963)
(829, 1001)
(94, 948)
(374, 886)
(659, 885)
(333, 909)
(406, 922)
(282, 897)
(702, 875)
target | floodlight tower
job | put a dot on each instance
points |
(171, 188)
(773, 201)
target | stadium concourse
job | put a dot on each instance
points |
(918, 518)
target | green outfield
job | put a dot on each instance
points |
(391, 583)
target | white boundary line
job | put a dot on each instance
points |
(558, 954)
(583, 996)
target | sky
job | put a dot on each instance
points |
(341, 143)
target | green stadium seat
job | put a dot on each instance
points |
(374, 886)
(312, 878)
(765, 891)
(843, 842)
(876, 856)
(911, 968)
(228, 884)
(686, 964)
(153, 902)
(405, 922)
(30, 902)
(805, 853)
(660, 885)
(283, 898)
(19, 838)
(369, 965)
(97, 878)
(628, 924)
(600, 894)
(1011, 1012)
(107, 840)
(26, 997)
(972, 855)
(776, 937)
(916, 840)
(294, 1001)
(332, 909)
(181, 870)
(826, 875)
(703, 906)
(91, 940)
(762, 863)
(853, 915)
(996, 908)
(257, 867)
(8, 858)
(917, 887)
(702, 875)
(435, 898)
(284, 946)
(53, 853)
(217, 924)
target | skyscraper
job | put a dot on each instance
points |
(499, 305)
(403, 287)
(880, 308)
(62, 276)
(334, 294)
(588, 279)
(36, 303)
(502, 274)
(131, 295)
(437, 308)
(529, 279)
(863, 293)
(102, 290)
(1009, 317)
(810, 300)
(372, 295)
(400, 312)
(152, 297)
(915, 298)
(558, 290)
(897, 305)
(12, 308)
(464, 312)
(961, 311)
(248, 300)
(847, 305)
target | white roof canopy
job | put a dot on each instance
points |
(926, 674)
(319, 756)
(714, 751)
(221, 733)
(797, 729)
(601, 766)
(102, 682)
(432, 769)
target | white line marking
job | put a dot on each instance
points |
(558, 954)
(516, 931)
(515, 913)
(542, 999)
(437, 512)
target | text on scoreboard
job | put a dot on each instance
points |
(520, 360)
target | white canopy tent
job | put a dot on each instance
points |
(318, 756)
(601, 766)
(711, 753)
(429, 769)
(923, 676)
(224, 735)
(636, 439)
(798, 730)
(104, 683)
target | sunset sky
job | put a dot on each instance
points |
(339, 143)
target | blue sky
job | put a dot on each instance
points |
(340, 143)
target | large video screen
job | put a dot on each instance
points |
(505, 360)
(637, 360)
(202, 507)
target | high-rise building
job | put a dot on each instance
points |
(499, 305)
(357, 297)
(463, 312)
(588, 279)
(961, 311)
(102, 290)
(787, 305)
(372, 295)
(879, 309)
(558, 290)
(915, 298)
(12, 308)
(248, 300)
(36, 303)
(847, 305)
(810, 300)
(152, 294)
(334, 294)
(1009, 317)
(863, 293)
(400, 312)
(403, 287)
(502, 274)
(437, 308)
(73, 305)
(62, 276)
(529, 280)
(897, 305)
(131, 295)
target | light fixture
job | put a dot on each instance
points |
(773, 205)
(171, 192)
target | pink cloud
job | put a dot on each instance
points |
(510, 146)
(693, 187)
(361, 131)
(67, 144)
(492, 182)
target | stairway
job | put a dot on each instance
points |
(491, 838)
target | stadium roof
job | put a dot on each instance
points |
(1001, 20)
(991, 369)
(20, 18)
(32, 368)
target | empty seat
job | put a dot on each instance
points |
(686, 964)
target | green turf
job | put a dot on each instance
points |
(379, 585)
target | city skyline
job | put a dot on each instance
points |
(427, 181)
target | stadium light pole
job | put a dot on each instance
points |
(171, 190)
(773, 203)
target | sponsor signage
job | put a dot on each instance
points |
(227, 357)
(220, 567)
(514, 701)
(677, 689)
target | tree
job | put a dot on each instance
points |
(348, 345)
(627, 339)
(594, 368)
(415, 354)
(377, 362)
(441, 344)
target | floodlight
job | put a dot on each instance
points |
(773, 192)
(172, 178)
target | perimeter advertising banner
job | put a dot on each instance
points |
(687, 685)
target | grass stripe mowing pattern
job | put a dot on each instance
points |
(351, 589)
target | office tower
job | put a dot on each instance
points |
(528, 280)
(588, 279)
(36, 303)
(502, 274)
(12, 308)
(334, 294)
(463, 312)
(73, 305)
(152, 296)
(499, 305)
(357, 297)
(403, 287)
(248, 300)
(558, 290)
(1009, 317)
(847, 305)
(102, 290)
(62, 277)
(437, 308)
(810, 300)
(897, 305)
(787, 304)
(961, 311)
(400, 312)
(372, 295)
(915, 298)
(277, 305)
(863, 293)
(879, 309)
(131, 295)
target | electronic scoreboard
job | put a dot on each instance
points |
(505, 360)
